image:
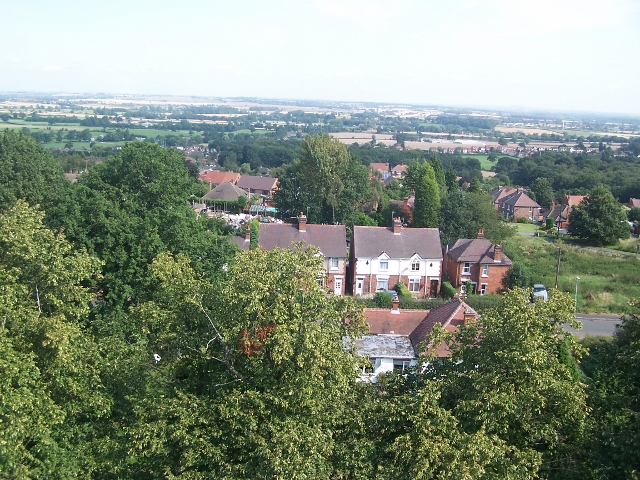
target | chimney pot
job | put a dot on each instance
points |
(397, 226)
(395, 305)
(302, 222)
(480, 233)
(497, 253)
(247, 233)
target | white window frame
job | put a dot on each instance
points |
(334, 263)
(466, 268)
(415, 283)
(383, 281)
(384, 264)
(415, 265)
(485, 270)
(483, 289)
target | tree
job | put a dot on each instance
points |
(455, 222)
(255, 369)
(599, 218)
(517, 276)
(52, 397)
(634, 214)
(451, 179)
(475, 186)
(438, 171)
(326, 179)
(426, 212)
(482, 215)
(505, 378)
(543, 191)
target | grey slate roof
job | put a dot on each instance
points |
(370, 242)
(257, 183)
(227, 192)
(477, 250)
(330, 239)
(519, 199)
(385, 346)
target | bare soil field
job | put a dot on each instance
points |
(525, 130)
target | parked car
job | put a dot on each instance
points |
(539, 293)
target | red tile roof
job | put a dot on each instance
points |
(217, 177)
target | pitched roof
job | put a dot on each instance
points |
(572, 200)
(241, 242)
(502, 192)
(401, 322)
(519, 199)
(226, 191)
(380, 167)
(634, 202)
(450, 316)
(477, 250)
(399, 169)
(330, 239)
(257, 183)
(217, 177)
(370, 242)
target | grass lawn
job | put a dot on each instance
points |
(484, 163)
(526, 227)
(607, 282)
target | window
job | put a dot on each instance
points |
(320, 281)
(466, 268)
(414, 285)
(485, 270)
(483, 288)
(415, 265)
(401, 365)
(334, 263)
(382, 284)
(384, 265)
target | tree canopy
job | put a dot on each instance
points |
(599, 218)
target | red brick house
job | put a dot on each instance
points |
(475, 265)
(519, 205)
(216, 177)
(561, 213)
(500, 193)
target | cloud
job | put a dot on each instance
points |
(53, 68)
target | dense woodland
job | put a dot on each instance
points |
(135, 342)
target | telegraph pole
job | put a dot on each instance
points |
(558, 266)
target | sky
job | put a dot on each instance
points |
(560, 55)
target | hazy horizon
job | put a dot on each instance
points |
(568, 56)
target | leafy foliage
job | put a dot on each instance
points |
(599, 218)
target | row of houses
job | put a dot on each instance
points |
(378, 258)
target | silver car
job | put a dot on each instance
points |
(539, 293)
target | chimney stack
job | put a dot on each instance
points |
(480, 233)
(397, 226)
(247, 233)
(497, 253)
(405, 204)
(468, 315)
(395, 305)
(302, 222)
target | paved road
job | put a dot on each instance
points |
(593, 325)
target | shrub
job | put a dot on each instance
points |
(483, 302)
(403, 291)
(447, 290)
(517, 276)
(382, 299)
(523, 220)
(549, 224)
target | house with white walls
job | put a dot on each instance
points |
(398, 337)
(382, 257)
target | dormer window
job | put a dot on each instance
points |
(384, 265)
(415, 265)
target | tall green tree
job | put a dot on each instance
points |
(426, 211)
(451, 179)
(438, 171)
(52, 397)
(326, 179)
(543, 191)
(599, 218)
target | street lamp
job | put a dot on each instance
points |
(577, 279)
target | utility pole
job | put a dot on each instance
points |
(558, 266)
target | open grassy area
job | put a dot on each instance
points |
(607, 282)
(485, 164)
(527, 227)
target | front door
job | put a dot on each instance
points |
(359, 286)
(433, 289)
(337, 286)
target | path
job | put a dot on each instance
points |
(595, 324)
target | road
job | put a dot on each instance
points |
(597, 324)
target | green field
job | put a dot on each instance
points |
(607, 282)
(485, 164)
